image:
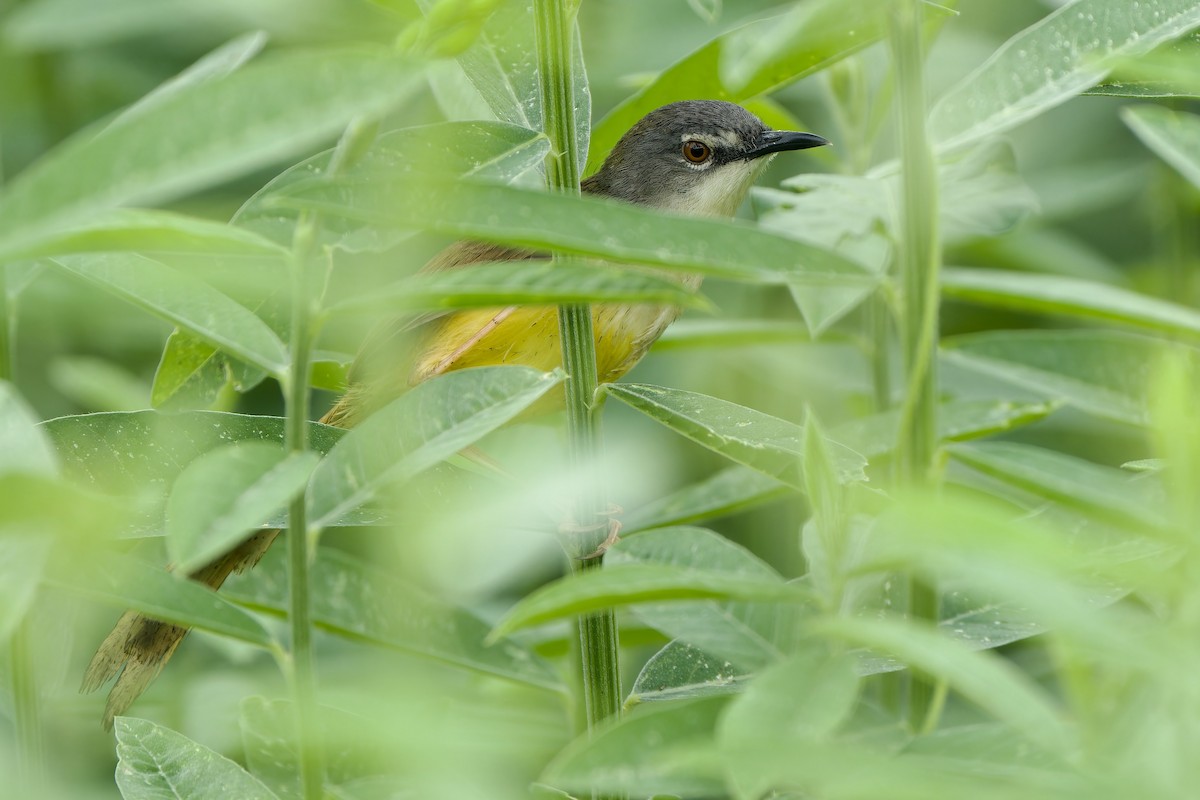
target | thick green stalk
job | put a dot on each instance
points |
(303, 672)
(598, 632)
(920, 260)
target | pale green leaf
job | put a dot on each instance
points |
(225, 494)
(24, 447)
(1173, 135)
(700, 333)
(426, 425)
(185, 301)
(23, 556)
(762, 442)
(156, 763)
(729, 491)
(681, 671)
(1053, 60)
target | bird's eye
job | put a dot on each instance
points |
(696, 151)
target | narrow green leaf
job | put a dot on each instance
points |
(361, 602)
(1173, 135)
(988, 681)
(729, 491)
(681, 671)
(226, 493)
(629, 584)
(203, 134)
(687, 334)
(124, 582)
(665, 748)
(187, 302)
(23, 556)
(156, 763)
(742, 635)
(23, 446)
(1105, 373)
(190, 374)
(759, 441)
(523, 283)
(1053, 60)
(489, 150)
(1051, 294)
(97, 384)
(750, 61)
(1107, 492)
(957, 420)
(428, 424)
(585, 226)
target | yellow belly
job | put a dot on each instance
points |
(529, 336)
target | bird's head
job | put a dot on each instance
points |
(693, 157)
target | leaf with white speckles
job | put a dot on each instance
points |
(156, 763)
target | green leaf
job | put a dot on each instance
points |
(686, 334)
(1051, 294)
(23, 557)
(491, 150)
(97, 384)
(630, 584)
(743, 635)
(426, 425)
(361, 602)
(664, 748)
(24, 447)
(586, 226)
(190, 374)
(156, 763)
(729, 491)
(681, 671)
(135, 456)
(751, 60)
(226, 493)
(201, 135)
(1104, 373)
(187, 302)
(986, 680)
(1105, 492)
(522, 283)
(1173, 135)
(1053, 60)
(124, 582)
(759, 441)
(957, 421)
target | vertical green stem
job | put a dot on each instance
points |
(304, 684)
(920, 258)
(597, 632)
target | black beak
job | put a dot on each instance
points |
(778, 141)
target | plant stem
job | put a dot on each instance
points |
(598, 632)
(920, 258)
(303, 672)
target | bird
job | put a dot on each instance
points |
(692, 157)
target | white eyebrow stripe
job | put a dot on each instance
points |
(727, 138)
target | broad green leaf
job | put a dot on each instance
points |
(664, 748)
(585, 226)
(190, 374)
(681, 671)
(759, 441)
(986, 680)
(1105, 373)
(743, 635)
(1107, 492)
(729, 491)
(225, 494)
(1053, 60)
(1169, 71)
(699, 333)
(491, 150)
(631, 584)
(750, 61)
(1051, 294)
(186, 301)
(426, 425)
(957, 420)
(522, 283)
(150, 231)
(136, 456)
(24, 447)
(156, 763)
(361, 602)
(1173, 135)
(23, 556)
(124, 582)
(203, 134)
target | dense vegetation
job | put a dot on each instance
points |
(908, 496)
